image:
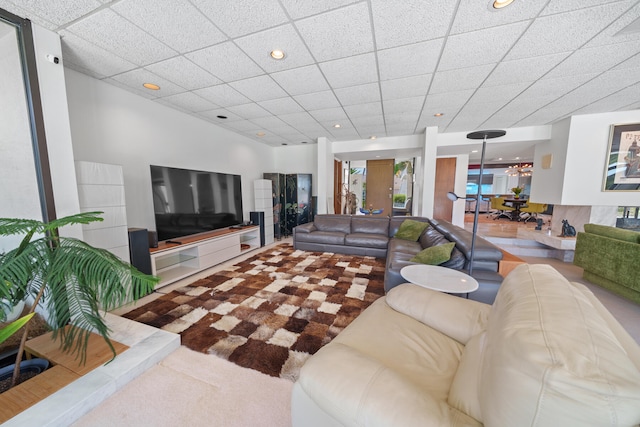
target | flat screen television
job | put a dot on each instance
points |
(188, 202)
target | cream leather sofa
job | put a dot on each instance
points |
(546, 353)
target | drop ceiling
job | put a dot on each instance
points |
(376, 67)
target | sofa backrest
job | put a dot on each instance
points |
(370, 224)
(613, 232)
(548, 357)
(340, 223)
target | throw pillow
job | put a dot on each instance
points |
(434, 255)
(411, 229)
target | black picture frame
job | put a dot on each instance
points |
(622, 169)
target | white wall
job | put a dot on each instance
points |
(298, 159)
(579, 147)
(110, 125)
(56, 121)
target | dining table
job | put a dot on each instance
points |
(516, 204)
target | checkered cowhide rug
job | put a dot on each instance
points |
(272, 311)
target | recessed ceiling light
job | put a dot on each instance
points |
(284, 143)
(499, 158)
(221, 117)
(499, 4)
(303, 142)
(517, 158)
(377, 157)
(474, 151)
(372, 137)
(151, 86)
(260, 134)
(277, 54)
(337, 125)
(438, 115)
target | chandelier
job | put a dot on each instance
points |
(519, 170)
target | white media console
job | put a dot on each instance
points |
(174, 261)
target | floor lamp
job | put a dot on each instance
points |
(483, 135)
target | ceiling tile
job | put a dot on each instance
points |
(239, 17)
(564, 31)
(633, 62)
(112, 32)
(58, 12)
(351, 23)
(281, 106)
(318, 100)
(242, 125)
(98, 61)
(427, 118)
(559, 6)
(329, 114)
(223, 95)
(190, 101)
(476, 15)
(448, 100)
(480, 47)
(595, 59)
(410, 60)
(612, 34)
(24, 13)
(400, 128)
(410, 21)
(259, 88)
(352, 71)
(301, 80)
(612, 102)
(225, 61)
(460, 79)
(300, 9)
(249, 111)
(405, 106)
(549, 88)
(180, 69)
(364, 110)
(212, 115)
(523, 70)
(377, 120)
(296, 119)
(359, 94)
(176, 23)
(269, 122)
(504, 93)
(406, 87)
(136, 78)
(258, 46)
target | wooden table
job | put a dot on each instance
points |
(516, 203)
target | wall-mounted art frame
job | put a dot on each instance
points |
(622, 170)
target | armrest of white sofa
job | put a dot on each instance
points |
(456, 317)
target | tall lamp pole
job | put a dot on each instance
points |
(483, 135)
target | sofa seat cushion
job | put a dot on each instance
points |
(322, 237)
(551, 355)
(379, 241)
(385, 369)
(403, 246)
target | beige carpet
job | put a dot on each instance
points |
(193, 389)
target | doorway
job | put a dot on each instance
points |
(379, 193)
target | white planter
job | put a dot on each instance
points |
(13, 314)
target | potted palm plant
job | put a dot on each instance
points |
(71, 280)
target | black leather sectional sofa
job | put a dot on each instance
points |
(373, 236)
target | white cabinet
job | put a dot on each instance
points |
(197, 253)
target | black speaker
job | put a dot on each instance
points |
(153, 239)
(257, 218)
(139, 249)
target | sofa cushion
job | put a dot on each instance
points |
(385, 369)
(322, 237)
(432, 237)
(373, 225)
(434, 255)
(367, 240)
(333, 223)
(411, 230)
(613, 232)
(553, 358)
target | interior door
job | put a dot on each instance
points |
(380, 185)
(337, 186)
(445, 182)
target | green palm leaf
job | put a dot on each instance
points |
(72, 280)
